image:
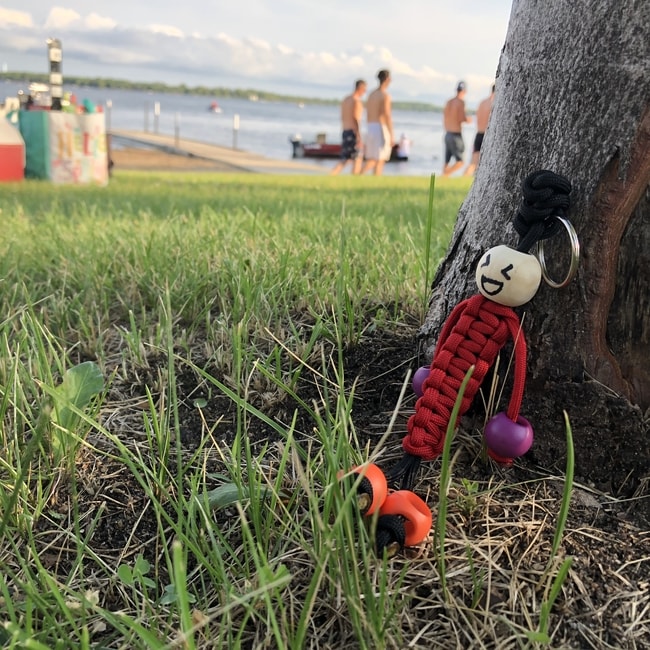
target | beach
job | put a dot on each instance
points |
(196, 155)
(132, 158)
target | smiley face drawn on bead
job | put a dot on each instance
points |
(507, 276)
(490, 286)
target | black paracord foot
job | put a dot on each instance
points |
(403, 474)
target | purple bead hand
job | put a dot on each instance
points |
(418, 379)
(507, 438)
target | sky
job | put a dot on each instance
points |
(296, 47)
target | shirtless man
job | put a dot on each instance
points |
(482, 117)
(380, 138)
(454, 118)
(351, 112)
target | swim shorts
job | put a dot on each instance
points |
(377, 142)
(454, 146)
(349, 149)
(478, 142)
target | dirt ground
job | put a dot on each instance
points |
(605, 602)
(155, 160)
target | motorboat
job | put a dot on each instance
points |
(320, 148)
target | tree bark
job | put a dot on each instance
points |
(573, 96)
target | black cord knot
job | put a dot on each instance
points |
(546, 196)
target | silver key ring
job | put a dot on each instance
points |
(575, 256)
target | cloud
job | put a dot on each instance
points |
(283, 49)
(228, 40)
(60, 18)
(167, 30)
(259, 44)
(95, 21)
(11, 17)
(167, 52)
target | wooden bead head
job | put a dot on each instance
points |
(507, 276)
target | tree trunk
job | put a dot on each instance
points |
(573, 96)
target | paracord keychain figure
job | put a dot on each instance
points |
(473, 335)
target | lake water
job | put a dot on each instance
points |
(264, 127)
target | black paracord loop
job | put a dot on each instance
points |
(365, 487)
(390, 529)
(546, 195)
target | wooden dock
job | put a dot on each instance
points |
(236, 159)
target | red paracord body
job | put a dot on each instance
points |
(473, 335)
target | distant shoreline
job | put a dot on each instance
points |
(183, 89)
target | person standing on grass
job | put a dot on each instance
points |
(454, 118)
(351, 146)
(379, 138)
(482, 117)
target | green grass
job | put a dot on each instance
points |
(114, 532)
(248, 252)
